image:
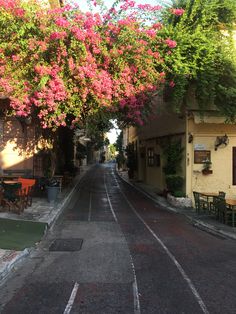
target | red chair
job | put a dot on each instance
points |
(27, 190)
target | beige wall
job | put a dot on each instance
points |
(162, 125)
(148, 136)
(204, 135)
(16, 146)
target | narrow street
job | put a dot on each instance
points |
(124, 254)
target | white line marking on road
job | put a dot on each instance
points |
(90, 206)
(137, 309)
(171, 256)
(109, 201)
(72, 299)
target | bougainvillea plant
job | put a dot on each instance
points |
(62, 65)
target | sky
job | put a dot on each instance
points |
(113, 133)
(108, 3)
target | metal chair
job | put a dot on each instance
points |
(225, 214)
(222, 194)
(13, 196)
(27, 185)
(201, 205)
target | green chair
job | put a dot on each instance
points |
(214, 208)
(222, 194)
(12, 196)
(225, 214)
(201, 205)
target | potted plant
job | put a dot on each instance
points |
(207, 167)
(52, 185)
(53, 188)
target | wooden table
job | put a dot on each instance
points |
(7, 177)
(231, 202)
(10, 181)
(209, 197)
(209, 194)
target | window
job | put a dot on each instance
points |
(150, 155)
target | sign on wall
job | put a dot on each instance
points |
(200, 156)
(199, 147)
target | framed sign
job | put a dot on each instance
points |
(200, 156)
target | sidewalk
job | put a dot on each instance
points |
(40, 211)
(204, 222)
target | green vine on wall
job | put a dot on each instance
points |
(205, 55)
(173, 154)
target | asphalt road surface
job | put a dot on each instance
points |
(113, 250)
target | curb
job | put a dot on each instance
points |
(165, 206)
(66, 199)
(20, 255)
(211, 229)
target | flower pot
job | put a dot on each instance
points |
(206, 171)
(52, 193)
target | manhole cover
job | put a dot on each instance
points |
(69, 245)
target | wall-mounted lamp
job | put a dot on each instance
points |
(221, 140)
(190, 137)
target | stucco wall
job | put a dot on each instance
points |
(161, 127)
(204, 135)
(16, 145)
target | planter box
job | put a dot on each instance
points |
(52, 193)
(179, 201)
(207, 171)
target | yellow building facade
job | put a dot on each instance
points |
(202, 137)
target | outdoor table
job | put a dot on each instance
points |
(232, 203)
(7, 177)
(10, 181)
(209, 197)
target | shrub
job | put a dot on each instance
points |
(174, 182)
(179, 194)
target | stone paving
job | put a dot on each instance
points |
(40, 211)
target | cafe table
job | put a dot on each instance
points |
(10, 181)
(209, 198)
(232, 205)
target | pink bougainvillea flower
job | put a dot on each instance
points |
(9, 4)
(177, 11)
(171, 43)
(58, 35)
(62, 22)
(15, 58)
(19, 12)
(172, 84)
